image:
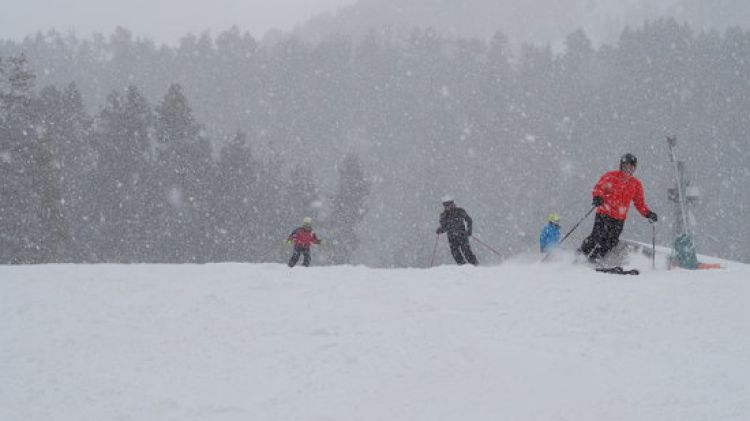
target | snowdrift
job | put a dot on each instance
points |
(519, 341)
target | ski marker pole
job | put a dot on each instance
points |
(653, 245)
(434, 250)
(571, 231)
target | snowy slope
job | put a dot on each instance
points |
(520, 341)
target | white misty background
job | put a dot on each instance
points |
(116, 148)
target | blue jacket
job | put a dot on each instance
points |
(550, 237)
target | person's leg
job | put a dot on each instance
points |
(466, 250)
(294, 258)
(455, 246)
(610, 235)
(306, 257)
(591, 245)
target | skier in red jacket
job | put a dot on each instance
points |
(302, 238)
(613, 194)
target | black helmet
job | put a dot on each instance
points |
(629, 158)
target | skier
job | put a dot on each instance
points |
(550, 235)
(452, 221)
(613, 194)
(302, 238)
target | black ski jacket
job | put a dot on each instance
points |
(452, 221)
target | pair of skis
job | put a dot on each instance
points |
(618, 270)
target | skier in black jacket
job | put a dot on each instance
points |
(457, 223)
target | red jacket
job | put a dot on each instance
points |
(618, 189)
(303, 238)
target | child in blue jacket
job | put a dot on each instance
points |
(550, 236)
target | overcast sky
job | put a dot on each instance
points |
(164, 21)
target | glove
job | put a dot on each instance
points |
(651, 216)
(468, 233)
(289, 242)
(598, 201)
(439, 230)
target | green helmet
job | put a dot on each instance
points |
(554, 218)
(307, 221)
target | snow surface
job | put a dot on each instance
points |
(519, 341)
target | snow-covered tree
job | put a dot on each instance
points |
(348, 209)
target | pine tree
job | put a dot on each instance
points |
(123, 144)
(236, 215)
(348, 209)
(185, 169)
(77, 160)
(272, 206)
(48, 175)
(20, 232)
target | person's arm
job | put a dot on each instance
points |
(543, 237)
(600, 188)
(441, 228)
(468, 223)
(640, 203)
(292, 236)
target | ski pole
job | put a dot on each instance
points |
(653, 245)
(571, 231)
(434, 250)
(490, 248)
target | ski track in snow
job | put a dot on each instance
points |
(519, 341)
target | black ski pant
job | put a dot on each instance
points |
(604, 237)
(460, 248)
(305, 252)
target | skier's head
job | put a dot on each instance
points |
(307, 222)
(554, 218)
(447, 201)
(628, 163)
